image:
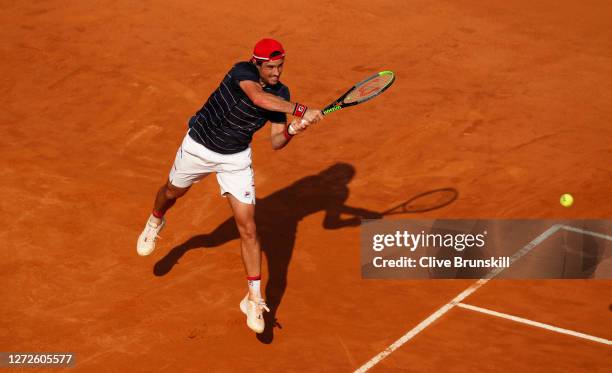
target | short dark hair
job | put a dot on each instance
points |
(275, 53)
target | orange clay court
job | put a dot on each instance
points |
(508, 104)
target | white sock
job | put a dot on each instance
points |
(254, 288)
(154, 220)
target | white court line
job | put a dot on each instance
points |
(591, 233)
(464, 294)
(535, 323)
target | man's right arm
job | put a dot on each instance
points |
(271, 102)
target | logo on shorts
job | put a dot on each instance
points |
(247, 194)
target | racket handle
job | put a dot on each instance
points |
(302, 121)
(290, 130)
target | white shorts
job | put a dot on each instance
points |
(235, 175)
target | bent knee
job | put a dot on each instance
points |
(172, 192)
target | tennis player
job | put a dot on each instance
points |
(218, 141)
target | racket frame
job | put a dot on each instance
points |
(339, 104)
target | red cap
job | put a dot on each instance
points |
(265, 47)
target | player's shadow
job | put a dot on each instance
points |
(277, 217)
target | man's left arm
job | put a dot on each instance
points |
(281, 133)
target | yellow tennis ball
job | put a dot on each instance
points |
(566, 200)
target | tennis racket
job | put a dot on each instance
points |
(363, 91)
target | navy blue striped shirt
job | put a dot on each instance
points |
(227, 121)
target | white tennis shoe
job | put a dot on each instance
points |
(254, 313)
(146, 241)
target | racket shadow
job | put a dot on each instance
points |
(426, 201)
(277, 217)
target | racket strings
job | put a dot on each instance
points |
(369, 88)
